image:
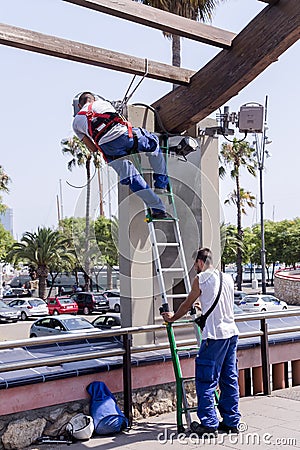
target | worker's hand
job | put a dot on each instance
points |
(168, 316)
(197, 305)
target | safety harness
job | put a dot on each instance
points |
(100, 123)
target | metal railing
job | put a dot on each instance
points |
(127, 349)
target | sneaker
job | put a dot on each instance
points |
(201, 430)
(227, 429)
(160, 191)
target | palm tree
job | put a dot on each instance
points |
(42, 250)
(229, 244)
(4, 180)
(82, 156)
(236, 155)
(200, 10)
(246, 199)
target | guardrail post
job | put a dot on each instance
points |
(127, 383)
(264, 346)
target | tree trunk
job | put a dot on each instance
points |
(53, 278)
(109, 277)
(273, 272)
(239, 260)
(87, 226)
(42, 273)
(176, 53)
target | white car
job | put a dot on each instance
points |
(261, 303)
(113, 297)
(30, 307)
(8, 314)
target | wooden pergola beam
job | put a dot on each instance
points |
(271, 2)
(260, 44)
(88, 54)
(161, 20)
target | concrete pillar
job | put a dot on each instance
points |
(278, 376)
(136, 275)
(198, 213)
(296, 373)
(257, 380)
(211, 208)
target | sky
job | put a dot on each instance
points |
(37, 92)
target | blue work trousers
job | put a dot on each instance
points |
(216, 363)
(129, 175)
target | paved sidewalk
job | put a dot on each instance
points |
(268, 422)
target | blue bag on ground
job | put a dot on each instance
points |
(107, 416)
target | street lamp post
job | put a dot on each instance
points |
(262, 230)
(260, 154)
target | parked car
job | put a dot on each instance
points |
(90, 301)
(108, 321)
(238, 297)
(62, 305)
(19, 281)
(65, 324)
(30, 307)
(8, 314)
(114, 300)
(261, 303)
(16, 292)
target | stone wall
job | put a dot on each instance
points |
(287, 288)
(20, 430)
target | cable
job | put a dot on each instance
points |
(128, 97)
(223, 134)
(85, 185)
(240, 140)
(160, 123)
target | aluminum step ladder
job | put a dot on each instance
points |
(173, 244)
(176, 245)
(182, 406)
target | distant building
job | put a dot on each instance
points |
(6, 218)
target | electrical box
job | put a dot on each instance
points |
(251, 119)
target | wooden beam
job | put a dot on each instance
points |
(271, 2)
(161, 20)
(260, 44)
(87, 54)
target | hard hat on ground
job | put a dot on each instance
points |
(80, 426)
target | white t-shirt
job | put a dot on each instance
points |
(220, 323)
(80, 122)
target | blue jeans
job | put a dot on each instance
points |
(216, 363)
(129, 175)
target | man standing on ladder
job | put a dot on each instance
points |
(101, 128)
(216, 362)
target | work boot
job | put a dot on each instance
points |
(161, 191)
(202, 431)
(158, 215)
(227, 429)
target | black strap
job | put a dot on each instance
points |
(135, 143)
(210, 310)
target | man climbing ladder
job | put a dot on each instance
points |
(102, 129)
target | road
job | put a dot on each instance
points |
(20, 330)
